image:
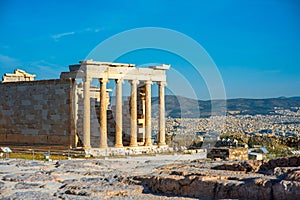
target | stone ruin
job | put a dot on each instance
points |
(227, 153)
(71, 112)
(18, 75)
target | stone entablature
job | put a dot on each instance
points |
(18, 75)
(106, 70)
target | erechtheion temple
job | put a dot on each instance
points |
(73, 112)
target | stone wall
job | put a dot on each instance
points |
(229, 153)
(37, 113)
(238, 153)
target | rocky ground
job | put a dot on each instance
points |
(153, 177)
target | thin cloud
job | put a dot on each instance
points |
(56, 37)
(46, 70)
(42, 68)
(7, 61)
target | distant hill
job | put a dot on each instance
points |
(295, 98)
(177, 106)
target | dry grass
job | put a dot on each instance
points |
(35, 156)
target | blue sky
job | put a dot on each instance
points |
(255, 44)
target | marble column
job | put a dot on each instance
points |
(148, 130)
(133, 113)
(162, 126)
(118, 141)
(86, 114)
(103, 114)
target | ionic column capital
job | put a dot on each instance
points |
(148, 82)
(134, 82)
(104, 80)
(162, 83)
(120, 81)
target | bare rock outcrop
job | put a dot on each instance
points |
(262, 166)
(271, 164)
(33, 195)
(151, 178)
(230, 180)
(207, 187)
(100, 187)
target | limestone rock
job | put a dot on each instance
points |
(32, 195)
(29, 177)
(100, 187)
(146, 178)
(285, 190)
(22, 185)
(288, 173)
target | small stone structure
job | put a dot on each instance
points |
(255, 156)
(225, 153)
(18, 75)
(71, 112)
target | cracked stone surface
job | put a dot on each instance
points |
(82, 178)
(152, 177)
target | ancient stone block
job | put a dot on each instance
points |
(30, 132)
(229, 153)
(26, 111)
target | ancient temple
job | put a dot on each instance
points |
(72, 112)
(140, 80)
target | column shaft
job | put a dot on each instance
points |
(118, 141)
(162, 128)
(148, 129)
(103, 114)
(133, 114)
(86, 114)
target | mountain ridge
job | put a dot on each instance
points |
(179, 106)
